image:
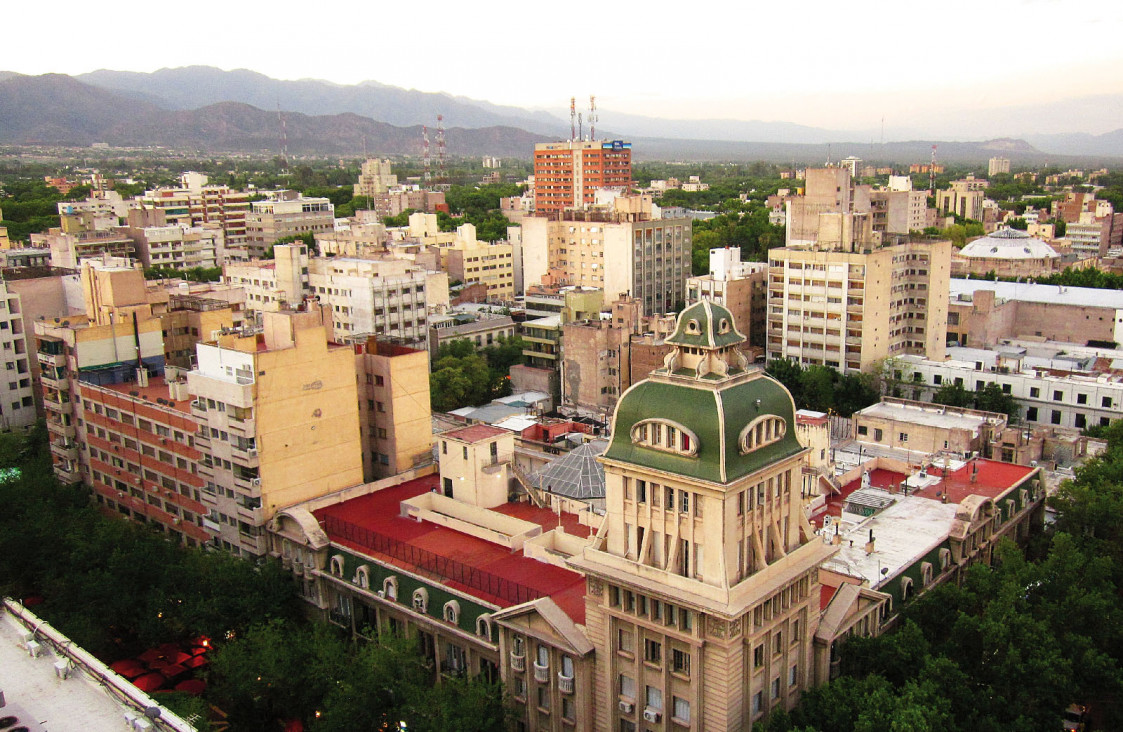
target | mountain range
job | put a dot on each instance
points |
(207, 109)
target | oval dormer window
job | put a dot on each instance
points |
(723, 326)
(665, 435)
(762, 431)
(692, 327)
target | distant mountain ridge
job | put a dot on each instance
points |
(57, 109)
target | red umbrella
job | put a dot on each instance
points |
(177, 657)
(152, 654)
(169, 648)
(172, 671)
(129, 668)
(196, 662)
(158, 664)
(192, 686)
(149, 682)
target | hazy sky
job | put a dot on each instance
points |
(834, 63)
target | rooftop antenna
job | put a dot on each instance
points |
(592, 117)
(426, 159)
(284, 136)
(828, 155)
(580, 127)
(573, 118)
(932, 174)
(441, 147)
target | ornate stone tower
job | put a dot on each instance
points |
(702, 594)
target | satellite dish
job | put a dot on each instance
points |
(152, 712)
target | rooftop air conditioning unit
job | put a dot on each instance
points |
(256, 482)
(63, 669)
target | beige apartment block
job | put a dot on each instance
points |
(375, 177)
(475, 464)
(703, 600)
(394, 408)
(287, 213)
(81, 237)
(851, 310)
(272, 284)
(964, 198)
(279, 423)
(368, 297)
(619, 249)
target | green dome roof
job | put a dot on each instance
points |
(716, 416)
(705, 324)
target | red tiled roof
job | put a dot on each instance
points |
(992, 480)
(475, 433)
(379, 512)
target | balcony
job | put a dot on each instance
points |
(565, 683)
(211, 526)
(55, 378)
(65, 449)
(246, 456)
(541, 673)
(67, 472)
(58, 427)
(51, 360)
(57, 405)
(518, 662)
(252, 516)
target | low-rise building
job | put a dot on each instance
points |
(740, 287)
(285, 214)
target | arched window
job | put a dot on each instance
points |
(945, 559)
(421, 600)
(337, 565)
(906, 588)
(483, 626)
(925, 573)
(286, 548)
(362, 577)
(665, 435)
(390, 588)
(451, 612)
(762, 431)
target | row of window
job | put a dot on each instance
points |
(648, 607)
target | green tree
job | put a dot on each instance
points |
(991, 398)
(954, 395)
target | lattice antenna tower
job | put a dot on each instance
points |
(580, 127)
(932, 174)
(573, 119)
(593, 119)
(441, 147)
(426, 158)
(284, 137)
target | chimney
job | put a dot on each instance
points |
(869, 544)
(837, 540)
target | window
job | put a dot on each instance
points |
(652, 651)
(337, 565)
(1031, 414)
(654, 698)
(451, 612)
(684, 501)
(483, 626)
(1034, 392)
(793, 674)
(567, 666)
(776, 688)
(569, 709)
(680, 661)
(904, 437)
(542, 656)
(1055, 417)
(1106, 402)
(390, 588)
(758, 702)
(664, 435)
(421, 600)
(627, 687)
(641, 491)
(1058, 395)
(362, 577)
(624, 641)
(520, 687)
(761, 432)
(1081, 398)
(758, 656)
(543, 697)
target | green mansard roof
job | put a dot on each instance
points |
(715, 413)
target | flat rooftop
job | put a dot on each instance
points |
(379, 513)
(475, 433)
(42, 701)
(978, 477)
(157, 389)
(1049, 294)
(924, 416)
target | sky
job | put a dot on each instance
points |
(824, 63)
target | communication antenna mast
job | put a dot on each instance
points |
(573, 118)
(284, 137)
(441, 147)
(932, 174)
(426, 159)
(592, 117)
(580, 127)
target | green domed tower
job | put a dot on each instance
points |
(706, 548)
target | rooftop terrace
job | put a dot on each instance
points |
(372, 525)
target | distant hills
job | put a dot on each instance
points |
(205, 109)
